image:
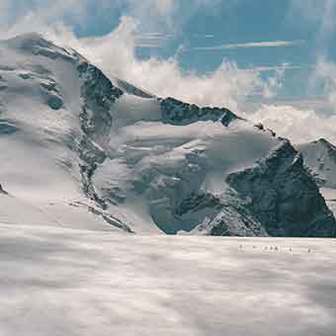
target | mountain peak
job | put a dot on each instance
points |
(28, 39)
(324, 142)
(37, 44)
(320, 157)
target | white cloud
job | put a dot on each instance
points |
(152, 40)
(169, 16)
(164, 17)
(274, 83)
(299, 125)
(40, 16)
(153, 7)
(248, 45)
(324, 75)
(115, 54)
(275, 68)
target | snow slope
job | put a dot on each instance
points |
(39, 169)
(58, 281)
(320, 157)
(82, 151)
(330, 196)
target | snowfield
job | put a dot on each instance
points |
(57, 281)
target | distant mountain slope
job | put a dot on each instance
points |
(74, 141)
(284, 196)
(320, 157)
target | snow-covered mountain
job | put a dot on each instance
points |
(320, 158)
(79, 149)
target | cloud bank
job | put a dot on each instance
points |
(299, 125)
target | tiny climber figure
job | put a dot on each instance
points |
(2, 191)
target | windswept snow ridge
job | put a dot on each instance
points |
(90, 152)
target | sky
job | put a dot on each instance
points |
(267, 60)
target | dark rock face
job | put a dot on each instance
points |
(176, 112)
(231, 216)
(7, 127)
(55, 102)
(2, 191)
(99, 95)
(3, 85)
(284, 197)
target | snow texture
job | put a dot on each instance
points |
(58, 281)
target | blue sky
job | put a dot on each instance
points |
(200, 34)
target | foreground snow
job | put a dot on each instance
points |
(58, 281)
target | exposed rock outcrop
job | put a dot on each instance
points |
(284, 197)
(99, 95)
(176, 112)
